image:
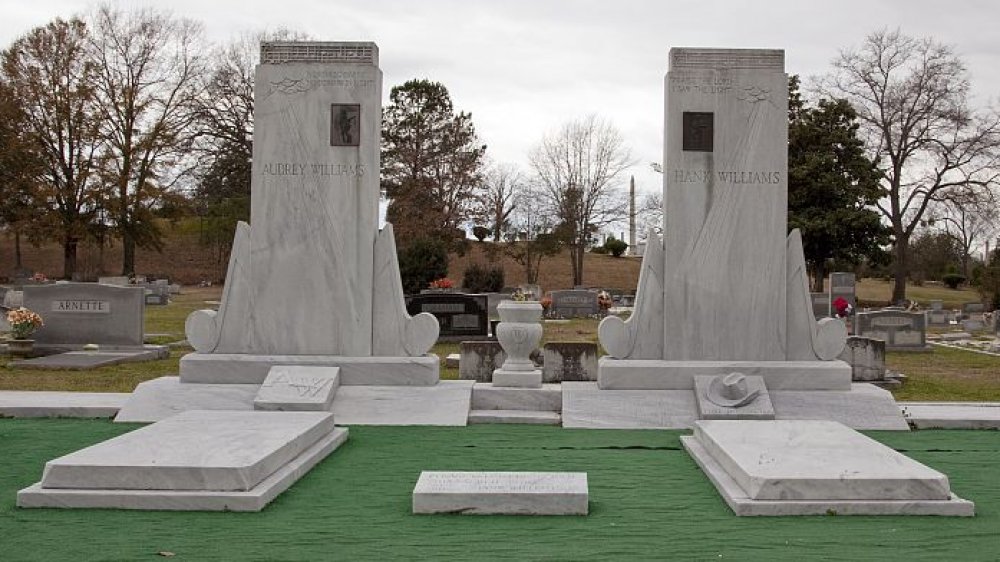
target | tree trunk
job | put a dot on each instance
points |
(17, 249)
(900, 270)
(819, 275)
(128, 254)
(577, 257)
(69, 257)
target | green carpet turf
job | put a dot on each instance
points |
(648, 500)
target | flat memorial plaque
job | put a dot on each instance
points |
(298, 388)
(502, 493)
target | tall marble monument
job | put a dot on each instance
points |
(725, 291)
(727, 284)
(312, 280)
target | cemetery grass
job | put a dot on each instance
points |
(166, 320)
(946, 374)
(648, 500)
(878, 292)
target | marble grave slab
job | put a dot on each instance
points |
(811, 467)
(502, 493)
(196, 460)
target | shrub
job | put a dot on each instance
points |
(953, 280)
(421, 262)
(483, 279)
(615, 246)
(480, 232)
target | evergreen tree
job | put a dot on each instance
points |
(431, 162)
(831, 186)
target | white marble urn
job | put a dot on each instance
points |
(519, 332)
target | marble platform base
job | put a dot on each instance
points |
(632, 374)
(517, 379)
(223, 368)
(524, 417)
(446, 403)
(548, 398)
(158, 399)
(502, 493)
(195, 461)
(43, 404)
(815, 468)
(585, 405)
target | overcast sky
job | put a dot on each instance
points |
(523, 67)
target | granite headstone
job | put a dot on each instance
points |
(82, 313)
(573, 304)
(900, 330)
(460, 315)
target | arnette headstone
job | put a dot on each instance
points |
(82, 313)
(900, 330)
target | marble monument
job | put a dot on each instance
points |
(312, 280)
(725, 290)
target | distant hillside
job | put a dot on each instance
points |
(186, 260)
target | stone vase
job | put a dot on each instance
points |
(21, 348)
(519, 332)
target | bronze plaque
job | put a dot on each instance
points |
(698, 129)
(345, 124)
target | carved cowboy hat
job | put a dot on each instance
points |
(730, 391)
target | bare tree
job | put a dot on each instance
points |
(225, 108)
(530, 236)
(498, 196)
(578, 167)
(911, 98)
(969, 217)
(148, 65)
(224, 145)
(50, 76)
(650, 214)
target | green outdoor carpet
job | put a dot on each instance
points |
(648, 500)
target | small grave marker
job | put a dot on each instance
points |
(502, 493)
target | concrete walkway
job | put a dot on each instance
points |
(952, 415)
